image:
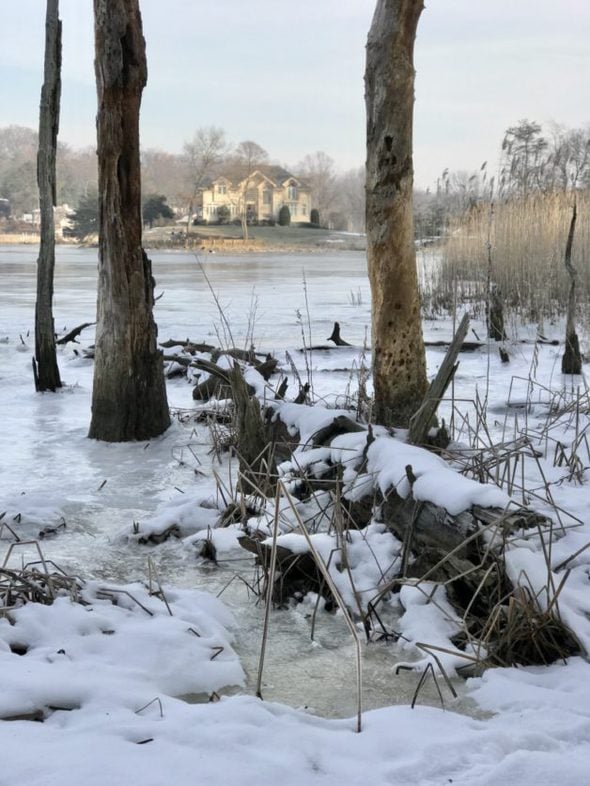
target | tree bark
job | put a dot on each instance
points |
(45, 365)
(571, 362)
(399, 365)
(129, 395)
(496, 329)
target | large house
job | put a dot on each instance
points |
(61, 218)
(259, 196)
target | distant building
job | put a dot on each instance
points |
(260, 196)
(61, 216)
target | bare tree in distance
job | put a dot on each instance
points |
(319, 173)
(202, 156)
(163, 173)
(45, 368)
(19, 147)
(569, 158)
(523, 149)
(399, 363)
(129, 393)
(77, 173)
(247, 158)
(350, 200)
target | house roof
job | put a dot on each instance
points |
(275, 174)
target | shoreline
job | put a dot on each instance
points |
(213, 246)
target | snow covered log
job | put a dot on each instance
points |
(452, 529)
(296, 572)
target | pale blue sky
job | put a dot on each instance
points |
(290, 75)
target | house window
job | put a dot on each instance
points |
(222, 188)
(266, 197)
(292, 192)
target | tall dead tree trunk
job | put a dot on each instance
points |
(399, 365)
(571, 362)
(45, 367)
(129, 394)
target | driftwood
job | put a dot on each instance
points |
(302, 396)
(267, 368)
(192, 347)
(420, 422)
(73, 334)
(187, 345)
(172, 531)
(295, 574)
(182, 360)
(340, 425)
(472, 346)
(282, 389)
(217, 384)
(335, 337)
(258, 472)
(571, 362)
(451, 549)
(466, 346)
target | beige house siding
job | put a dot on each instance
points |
(262, 198)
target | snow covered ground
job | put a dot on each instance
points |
(110, 679)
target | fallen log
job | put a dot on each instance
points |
(471, 346)
(219, 380)
(335, 336)
(189, 346)
(340, 425)
(295, 574)
(216, 385)
(454, 550)
(73, 334)
(466, 346)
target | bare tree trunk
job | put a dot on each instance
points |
(244, 209)
(129, 394)
(496, 329)
(244, 222)
(399, 365)
(189, 218)
(494, 299)
(45, 366)
(571, 362)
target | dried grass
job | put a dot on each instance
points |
(528, 239)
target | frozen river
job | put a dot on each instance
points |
(50, 469)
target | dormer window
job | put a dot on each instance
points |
(222, 188)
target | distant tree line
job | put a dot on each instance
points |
(532, 161)
(337, 197)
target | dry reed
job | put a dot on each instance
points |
(528, 238)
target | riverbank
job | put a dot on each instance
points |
(226, 239)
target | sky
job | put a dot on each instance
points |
(290, 76)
